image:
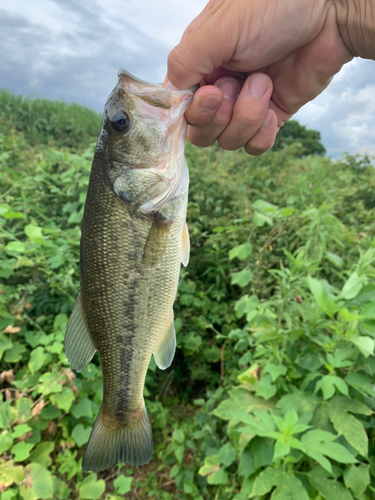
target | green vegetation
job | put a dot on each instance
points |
(271, 394)
(47, 122)
(292, 132)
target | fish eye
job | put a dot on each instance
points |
(120, 121)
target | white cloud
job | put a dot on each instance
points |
(73, 49)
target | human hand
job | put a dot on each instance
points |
(258, 62)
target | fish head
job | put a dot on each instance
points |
(144, 129)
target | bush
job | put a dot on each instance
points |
(271, 394)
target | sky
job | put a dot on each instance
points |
(73, 49)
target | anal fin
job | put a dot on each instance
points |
(78, 345)
(164, 353)
(185, 246)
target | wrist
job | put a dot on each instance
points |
(356, 23)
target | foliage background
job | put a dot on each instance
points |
(271, 393)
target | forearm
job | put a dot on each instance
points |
(356, 22)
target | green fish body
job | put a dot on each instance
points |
(134, 238)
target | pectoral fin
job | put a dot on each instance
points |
(78, 345)
(166, 348)
(185, 246)
(157, 240)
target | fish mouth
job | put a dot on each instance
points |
(125, 73)
(153, 93)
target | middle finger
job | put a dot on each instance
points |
(248, 112)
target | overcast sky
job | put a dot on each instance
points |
(72, 50)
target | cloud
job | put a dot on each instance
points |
(64, 49)
(78, 62)
(345, 112)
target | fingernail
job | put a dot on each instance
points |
(169, 85)
(229, 88)
(258, 86)
(266, 121)
(209, 104)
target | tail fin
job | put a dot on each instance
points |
(131, 443)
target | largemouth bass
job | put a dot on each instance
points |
(134, 238)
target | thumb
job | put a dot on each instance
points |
(208, 46)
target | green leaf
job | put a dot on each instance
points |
(211, 464)
(21, 451)
(365, 345)
(34, 233)
(263, 425)
(259, 219)
(329, 490)
(351, 428)
(38, 357)
(5, 344)
(8, 213)
(246, 465)
(242, 278)
(246, 304)
(14, 354)
(357, 478)
(335, 259)
(6, 441)
(212, 354)
(218, 477)
(82, 408)
(40, 483)
(9, 472)
(282, 448)
(325, 303)
(241, 400)
(48, 383)
(7, 414)
(266, 480)
(329, 383)
(64, 399)
(91, 488)
(312, 445)
(20, 430)
(317, 443)
(361, 383)
(178, 436)
(265, 387)
(15, 247)
(289, 488)
(227, 454)
(338, 452)
(241, 252)
(81, 434)
(287, 211)
(35, 338)
(352, 287)
(275, 371)
(40, 454)
(122, 484)
(353, 405)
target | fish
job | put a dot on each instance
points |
(134, 238)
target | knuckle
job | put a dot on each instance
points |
(228, 144)
(175, 67)
(259, 145)
(247, 121)
(200, 140)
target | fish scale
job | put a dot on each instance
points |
(134, 237)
